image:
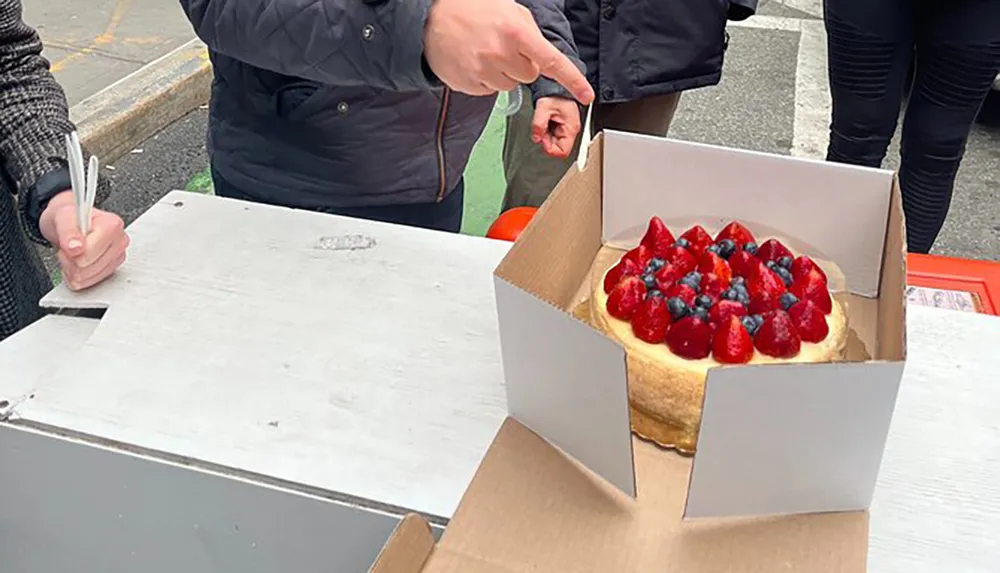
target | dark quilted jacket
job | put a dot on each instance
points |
(34, 118)
(641, 48)
(329, 103)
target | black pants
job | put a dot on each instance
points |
(443, 216)
(871, 45)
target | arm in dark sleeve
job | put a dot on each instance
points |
(338, 42)
(551, 18)
(34, 118)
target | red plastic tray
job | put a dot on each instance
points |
(957, 284)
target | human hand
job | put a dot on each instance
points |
(85, 261)
(481, 47)
(555, 125)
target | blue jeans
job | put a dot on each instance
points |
(444, 216)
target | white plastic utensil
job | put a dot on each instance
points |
(84, 182)
(514, 102)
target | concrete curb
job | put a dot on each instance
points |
(115, 120)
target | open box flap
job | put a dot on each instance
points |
(532, 508)
(566, 382)
(802, 438)
(408, 548)
(841, 208)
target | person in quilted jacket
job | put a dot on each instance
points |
(640, 55)
(34, 182)
(371, 108)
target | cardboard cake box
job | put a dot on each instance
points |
(787, 455)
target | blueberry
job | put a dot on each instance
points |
(749, 324)
(683, 243)
(788, 300)
(653, 293)
(729, 294)
(703, 301)
(785, 275)
(742, 294)
(656, 264)
(737, 281)
(758, 319)
(785, 262)
(750, 247)
(677, 307)
(726, 248)
(650, 280)
(714, 249)
(694, 275)
(771, 265)
(693, 280)
(701, 313)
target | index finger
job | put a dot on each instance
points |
(555, 65)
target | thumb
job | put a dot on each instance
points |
(68, 234)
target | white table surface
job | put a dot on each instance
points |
(416, 438)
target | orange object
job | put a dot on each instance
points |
(510, 223)
(948, 282)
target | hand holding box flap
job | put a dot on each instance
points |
(791, 439)
(566, 382)
(841, 209)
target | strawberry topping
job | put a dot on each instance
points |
(803, 264)
(651, 319)
(778, 337)
(732, 343)
(697, 238)
(809, 320)
(683, 292)
(682, 258)
(736, 233)
(742, 263)
(710, 262)
(772, 250)
(712, 286)
(667, 276)
(722, 310)
(658, 238)
(812, 286)
(640, 255)
(690, 337)
(626, 297)
(625, 268)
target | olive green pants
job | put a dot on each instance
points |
(531, 174)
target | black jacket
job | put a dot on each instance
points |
(640, 48)
(329, 103)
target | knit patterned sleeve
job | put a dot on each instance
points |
(34, 118)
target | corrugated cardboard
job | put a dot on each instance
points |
(531, 508)
(566, 487)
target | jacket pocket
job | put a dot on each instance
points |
(679, 40)
(300, 100)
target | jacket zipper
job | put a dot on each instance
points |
(440, 144)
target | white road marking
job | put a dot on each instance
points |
(812, 91)
(811, 128)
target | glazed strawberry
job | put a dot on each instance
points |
(651, 319)
(683, 292)
(624, 268)
(731, 343)
(710, 262)
(722, 310)
(742, 263)
(640, 255)
(698, 238)
(810, 321)
(802, 265)
(658, 238)
(812, 286)
(772, 250)
(667, 276)
(682, 258)
(778, 337)
(736, 233)
(765, 289)
(712, 286)
(690, 337)
(626, 297)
